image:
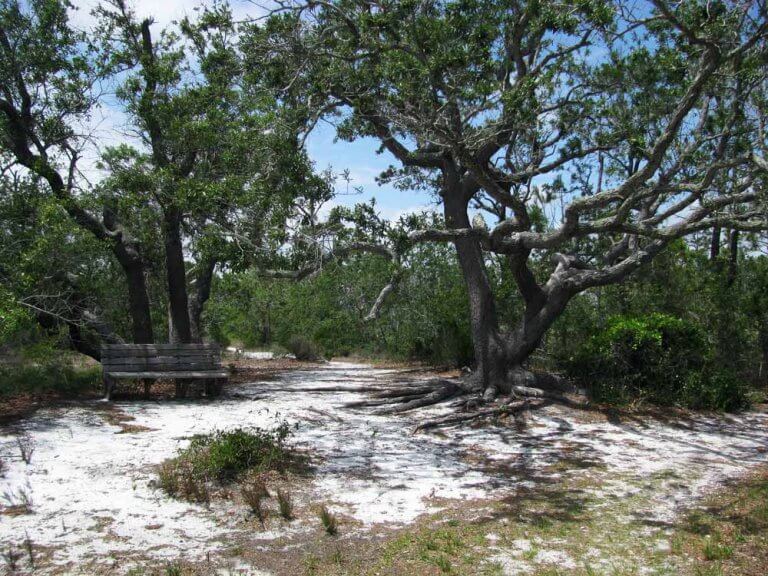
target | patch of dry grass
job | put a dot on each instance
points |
(728, 535)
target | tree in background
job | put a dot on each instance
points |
(212, 163)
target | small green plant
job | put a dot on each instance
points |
(254, 492)
(285, 504)
(717, 551)
(173, 569)
(443, 563)
(311, 565)
(329, 520)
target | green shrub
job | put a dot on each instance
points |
(52, 374)
(302, 348)
(658, 358)
(223, 456)
(716, 389)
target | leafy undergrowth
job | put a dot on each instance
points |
(245, 456)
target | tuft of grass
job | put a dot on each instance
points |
(30, 548)
(11, 557)
(179, 478)
(329, 520)
(254, 492)
(285, 504)
(17, 501)
(174, 569)
(717, 551)
(26, 447)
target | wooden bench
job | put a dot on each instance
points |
(147, 362)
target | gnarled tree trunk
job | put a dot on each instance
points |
(176, 276)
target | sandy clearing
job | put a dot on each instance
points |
(93, 499)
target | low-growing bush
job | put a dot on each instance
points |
(223, 456)
(658, 358)
(178, 478)
(302, 348)
(54, 375)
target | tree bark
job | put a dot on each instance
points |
(733, 257)
(489, 349)
(127, 252)
(714, 247)
(201, 294)
(176, 274)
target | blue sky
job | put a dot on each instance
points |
(361, 159)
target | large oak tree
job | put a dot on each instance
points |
(592, 133)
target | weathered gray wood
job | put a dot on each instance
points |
(150, 361)
(153, 353)
(155, 347)
(162, 362)
(171, 374)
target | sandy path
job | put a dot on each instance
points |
(92, 497)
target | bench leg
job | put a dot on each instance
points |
(213, 387)
(107, 388)
(147, 386)
(181, 388)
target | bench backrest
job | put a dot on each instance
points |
(160, 357)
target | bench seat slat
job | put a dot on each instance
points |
(165, 368)
(156, 347)
(171, 374)
(151, 353)
(159, 361)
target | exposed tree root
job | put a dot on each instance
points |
(445, 390)
(539, 393)
(467, 401)
(461, 418)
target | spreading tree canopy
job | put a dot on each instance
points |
(585, 136)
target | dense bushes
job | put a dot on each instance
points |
(658, 358)
(425, 319)
(302, 348)
(680, 333)
(40, 369)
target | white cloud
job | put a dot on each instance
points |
(162, 12)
